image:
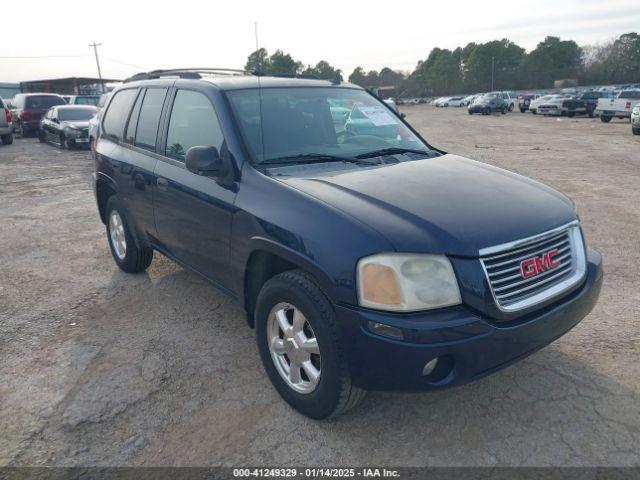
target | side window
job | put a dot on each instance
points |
(133, 120)
(118, 112)
(193, 123)
(149, 118)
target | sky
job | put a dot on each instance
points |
(144, 35)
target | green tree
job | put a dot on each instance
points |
(390, 77)
(553, 59)
(440, 72)
(501, 59)
(358, 77)
(258, 61)
(281, 63)
(324, 71)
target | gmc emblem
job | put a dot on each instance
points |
(536, 265)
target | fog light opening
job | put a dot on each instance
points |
(439, 370)
(429, 367)
(385, 330)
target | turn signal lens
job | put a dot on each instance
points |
(380, 285)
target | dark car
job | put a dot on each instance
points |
(67, 125)
(585, 104)
(489, 103)
(363, 260)
(524, 101)
(28, 109)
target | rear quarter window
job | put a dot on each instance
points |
(149, 118)
(118, 112)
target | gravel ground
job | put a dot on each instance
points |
(102, 368)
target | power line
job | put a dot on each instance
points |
(42, 56)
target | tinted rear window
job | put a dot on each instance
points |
(43, 101)
(632, 95)
(76, 114)
(118, 112)
(149, 117)
(88, 100)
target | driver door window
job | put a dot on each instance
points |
(193, 122)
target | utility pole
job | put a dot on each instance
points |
(492, 71)
(255, 28)
(95, 51)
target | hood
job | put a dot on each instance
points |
(78, 124)
(447, 204)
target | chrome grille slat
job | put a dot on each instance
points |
(556, 270)
(519, 259)
(526, 289)
(529, 247)
(513, 277)
(502, 266)
(564, 243)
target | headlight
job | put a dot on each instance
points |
(405, 282)
(636, 110)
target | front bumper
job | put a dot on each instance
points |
(468, 345)
(478, 108)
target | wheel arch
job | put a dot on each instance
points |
(105, 188)
(268, 259)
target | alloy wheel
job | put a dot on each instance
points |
(117, 235)
(294, 348)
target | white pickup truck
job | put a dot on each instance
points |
(619, 107)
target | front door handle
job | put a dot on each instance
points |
(162, 183)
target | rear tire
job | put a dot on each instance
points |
(522, 110)
(503, 111)
(295, 293)
(7, 139)
(571, 114)
(605, 118)
(130, 257)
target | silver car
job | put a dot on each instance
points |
(635, 120)
(6, 123)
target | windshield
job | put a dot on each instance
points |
(76, 114)
(289, 123)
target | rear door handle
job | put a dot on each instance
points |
(162, 183)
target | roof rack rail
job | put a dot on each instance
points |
(193, 73)
(307, 76)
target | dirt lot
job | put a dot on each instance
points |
(102, 368)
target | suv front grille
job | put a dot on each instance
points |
(522, 274)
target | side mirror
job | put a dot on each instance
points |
(55, 120)
(402, 115)
(205, 161)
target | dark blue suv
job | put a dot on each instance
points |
(364, 257)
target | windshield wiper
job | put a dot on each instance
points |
(311, 158)
(391, 151)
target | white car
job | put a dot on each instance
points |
(635, 120)
(533, 106)
(450, 102)
(552, 106)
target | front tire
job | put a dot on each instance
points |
(301, 347)
(7, 139)
(522, 110)
(636, 131)
(130, 257)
